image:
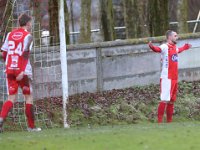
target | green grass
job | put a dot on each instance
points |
(145, 136)
(122, 120)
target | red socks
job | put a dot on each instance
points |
(161, 110)
(29, 112)
(170, 111)
(30, 115)
(6, 108)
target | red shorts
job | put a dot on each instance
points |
(13, 84)
(168, 89)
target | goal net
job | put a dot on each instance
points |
(45, 60)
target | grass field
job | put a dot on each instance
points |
(136, 107)
(148, 136)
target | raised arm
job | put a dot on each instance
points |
(185, 47)
(154, 48)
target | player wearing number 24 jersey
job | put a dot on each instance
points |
(16, 50)
(18, 45)
(169, 74)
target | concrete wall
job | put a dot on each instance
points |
(109, 65)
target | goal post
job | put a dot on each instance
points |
(63, 58)
(50, 76)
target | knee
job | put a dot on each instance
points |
(26, 90)
(171, 102)
(12, 98)
(28, 99)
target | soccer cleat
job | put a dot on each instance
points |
(1, 124)
(34, 129)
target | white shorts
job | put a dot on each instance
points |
(168, 89)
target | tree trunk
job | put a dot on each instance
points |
(85, 30)
(143, 18)
(37, 21)
(182, 16)
(107, 20)
(53, 22)
(136, 18)
(158, 17)
(131, 19)
(66, 22)
(5, 22)
(72, 20)
(7, 17)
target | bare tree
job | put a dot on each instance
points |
(158, 17)
(53, 21)
(72, 19)
(143, 17)
(182, 15)
(35, 4)
(66, 22)
(135, 12)
(131, 18)
(85, 30)
(107, 20)
(7, 13)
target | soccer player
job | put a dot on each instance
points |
(169, 74)
(16, 49)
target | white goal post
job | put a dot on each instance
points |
(63, 58)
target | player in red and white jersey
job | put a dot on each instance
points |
(18, 45)
(16, 50)
(169, 74)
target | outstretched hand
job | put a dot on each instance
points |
(154, 48)
(150, 44)
(187, 46)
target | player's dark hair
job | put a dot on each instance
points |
(24, 19)
(168, 33)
